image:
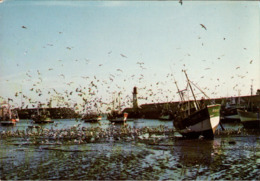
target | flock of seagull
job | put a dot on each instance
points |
(88, 97)
(77, 134)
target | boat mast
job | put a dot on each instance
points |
(21, 97)
(252, 87)
(119, 106)
(179, 92)
(197, 105)
(113, 105)
(200, 90)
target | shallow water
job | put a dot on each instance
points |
(156, 156)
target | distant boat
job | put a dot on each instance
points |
(42, 116)
(250, 120)
(9, 122)
(166, 117)
(39, 119)
(91, 117)
(166, 114)
(116, 116)
(194, 118)
(7, 118)
(228, 112)
(15, 115)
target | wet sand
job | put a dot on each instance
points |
(154, 152)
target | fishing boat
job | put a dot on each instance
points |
(250, 120)
(42, 116)
(15, 115)
(91, 117)
(166, 114)
(166, 117)
(228, 112)
(6, 116)
(193, 118)
(116, 116)
(8, 122)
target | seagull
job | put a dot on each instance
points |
(122, 55)
(203, 26)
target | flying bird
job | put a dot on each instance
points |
(24, 27)
(203, 26)
(251, 61)
(122, 55)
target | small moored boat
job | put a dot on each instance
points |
(250, 120)
(7, 116)
(91, 117)
(116, 116)
(42, 116)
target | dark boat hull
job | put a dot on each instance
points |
(8, 123)
(250, 120)
(91, 120)
(41, 120)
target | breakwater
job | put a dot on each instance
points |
(55, 113)
(154, 111)
(149, 111)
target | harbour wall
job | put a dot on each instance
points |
(154, 111)
(148, 111)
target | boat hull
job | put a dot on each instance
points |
(92, 119)
(250, 120)
(43, 121)
(205, 128)
(203, 122)
(11, 122)
(121, 119)
(165, 118)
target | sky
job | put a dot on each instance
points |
(78, 53)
